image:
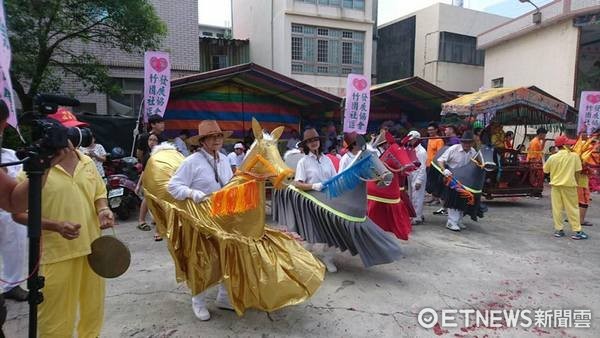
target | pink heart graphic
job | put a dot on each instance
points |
(359, 84)
(159, 64)
(593, 98)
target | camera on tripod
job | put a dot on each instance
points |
(48, 135)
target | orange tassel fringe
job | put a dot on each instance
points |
(235, 200)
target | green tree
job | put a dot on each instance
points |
(50, 38)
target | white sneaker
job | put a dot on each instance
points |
(452, 226)
(199, 307)
(461, 225)
(222, 301)
(328, 261)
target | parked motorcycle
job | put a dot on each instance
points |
(122, 174)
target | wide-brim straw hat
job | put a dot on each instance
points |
(207, 128)
(310, 134)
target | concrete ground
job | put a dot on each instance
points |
(508, 260)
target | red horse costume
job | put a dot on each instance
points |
(390, 206)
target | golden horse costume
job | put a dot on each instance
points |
(224, 238)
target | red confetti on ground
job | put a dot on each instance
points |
(438, 330)
(539, 331)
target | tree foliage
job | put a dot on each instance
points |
(51, 39)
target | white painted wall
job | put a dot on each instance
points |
(440, 17)
(545, 58)
(252, 20)
(257, 21)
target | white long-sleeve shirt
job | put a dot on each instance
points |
(346, 160)
(456, 156)
(312, 170)
(195, 178)
(419, 175)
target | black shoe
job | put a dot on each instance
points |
(17, 293)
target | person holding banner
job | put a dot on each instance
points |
(157, 126)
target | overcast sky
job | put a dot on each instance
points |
(217, 12)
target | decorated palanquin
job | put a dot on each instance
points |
(525, 106)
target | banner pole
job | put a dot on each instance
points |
(136, 131)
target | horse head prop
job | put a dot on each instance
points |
(365, 167)
(399, 158)
(263, 161)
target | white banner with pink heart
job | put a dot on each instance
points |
(157, 83)
(589, 112)
(358, 102)
(6, 90)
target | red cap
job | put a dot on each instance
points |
(66, 118)
(562, 140)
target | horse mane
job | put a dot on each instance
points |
(349, 178)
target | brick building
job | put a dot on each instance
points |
(128, 69)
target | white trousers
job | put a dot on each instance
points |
(455, 216)
(13, 251)
(417, 197)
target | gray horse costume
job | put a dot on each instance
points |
(341, 222)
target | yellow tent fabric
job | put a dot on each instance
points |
(515, 101)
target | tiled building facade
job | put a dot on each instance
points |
(181, 42)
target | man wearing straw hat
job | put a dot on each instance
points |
(199, 175)
(74, 210)
(456, 156)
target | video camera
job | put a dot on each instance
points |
(49, 135)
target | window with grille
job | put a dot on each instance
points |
(354, 4)
(128, 102)
(459, 48)
(322, 54)
(498, 83)
(296, 48)
(346, 53)
(219, 61)
(323, 31)
(326, 51)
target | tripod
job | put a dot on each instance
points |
(35, 167)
